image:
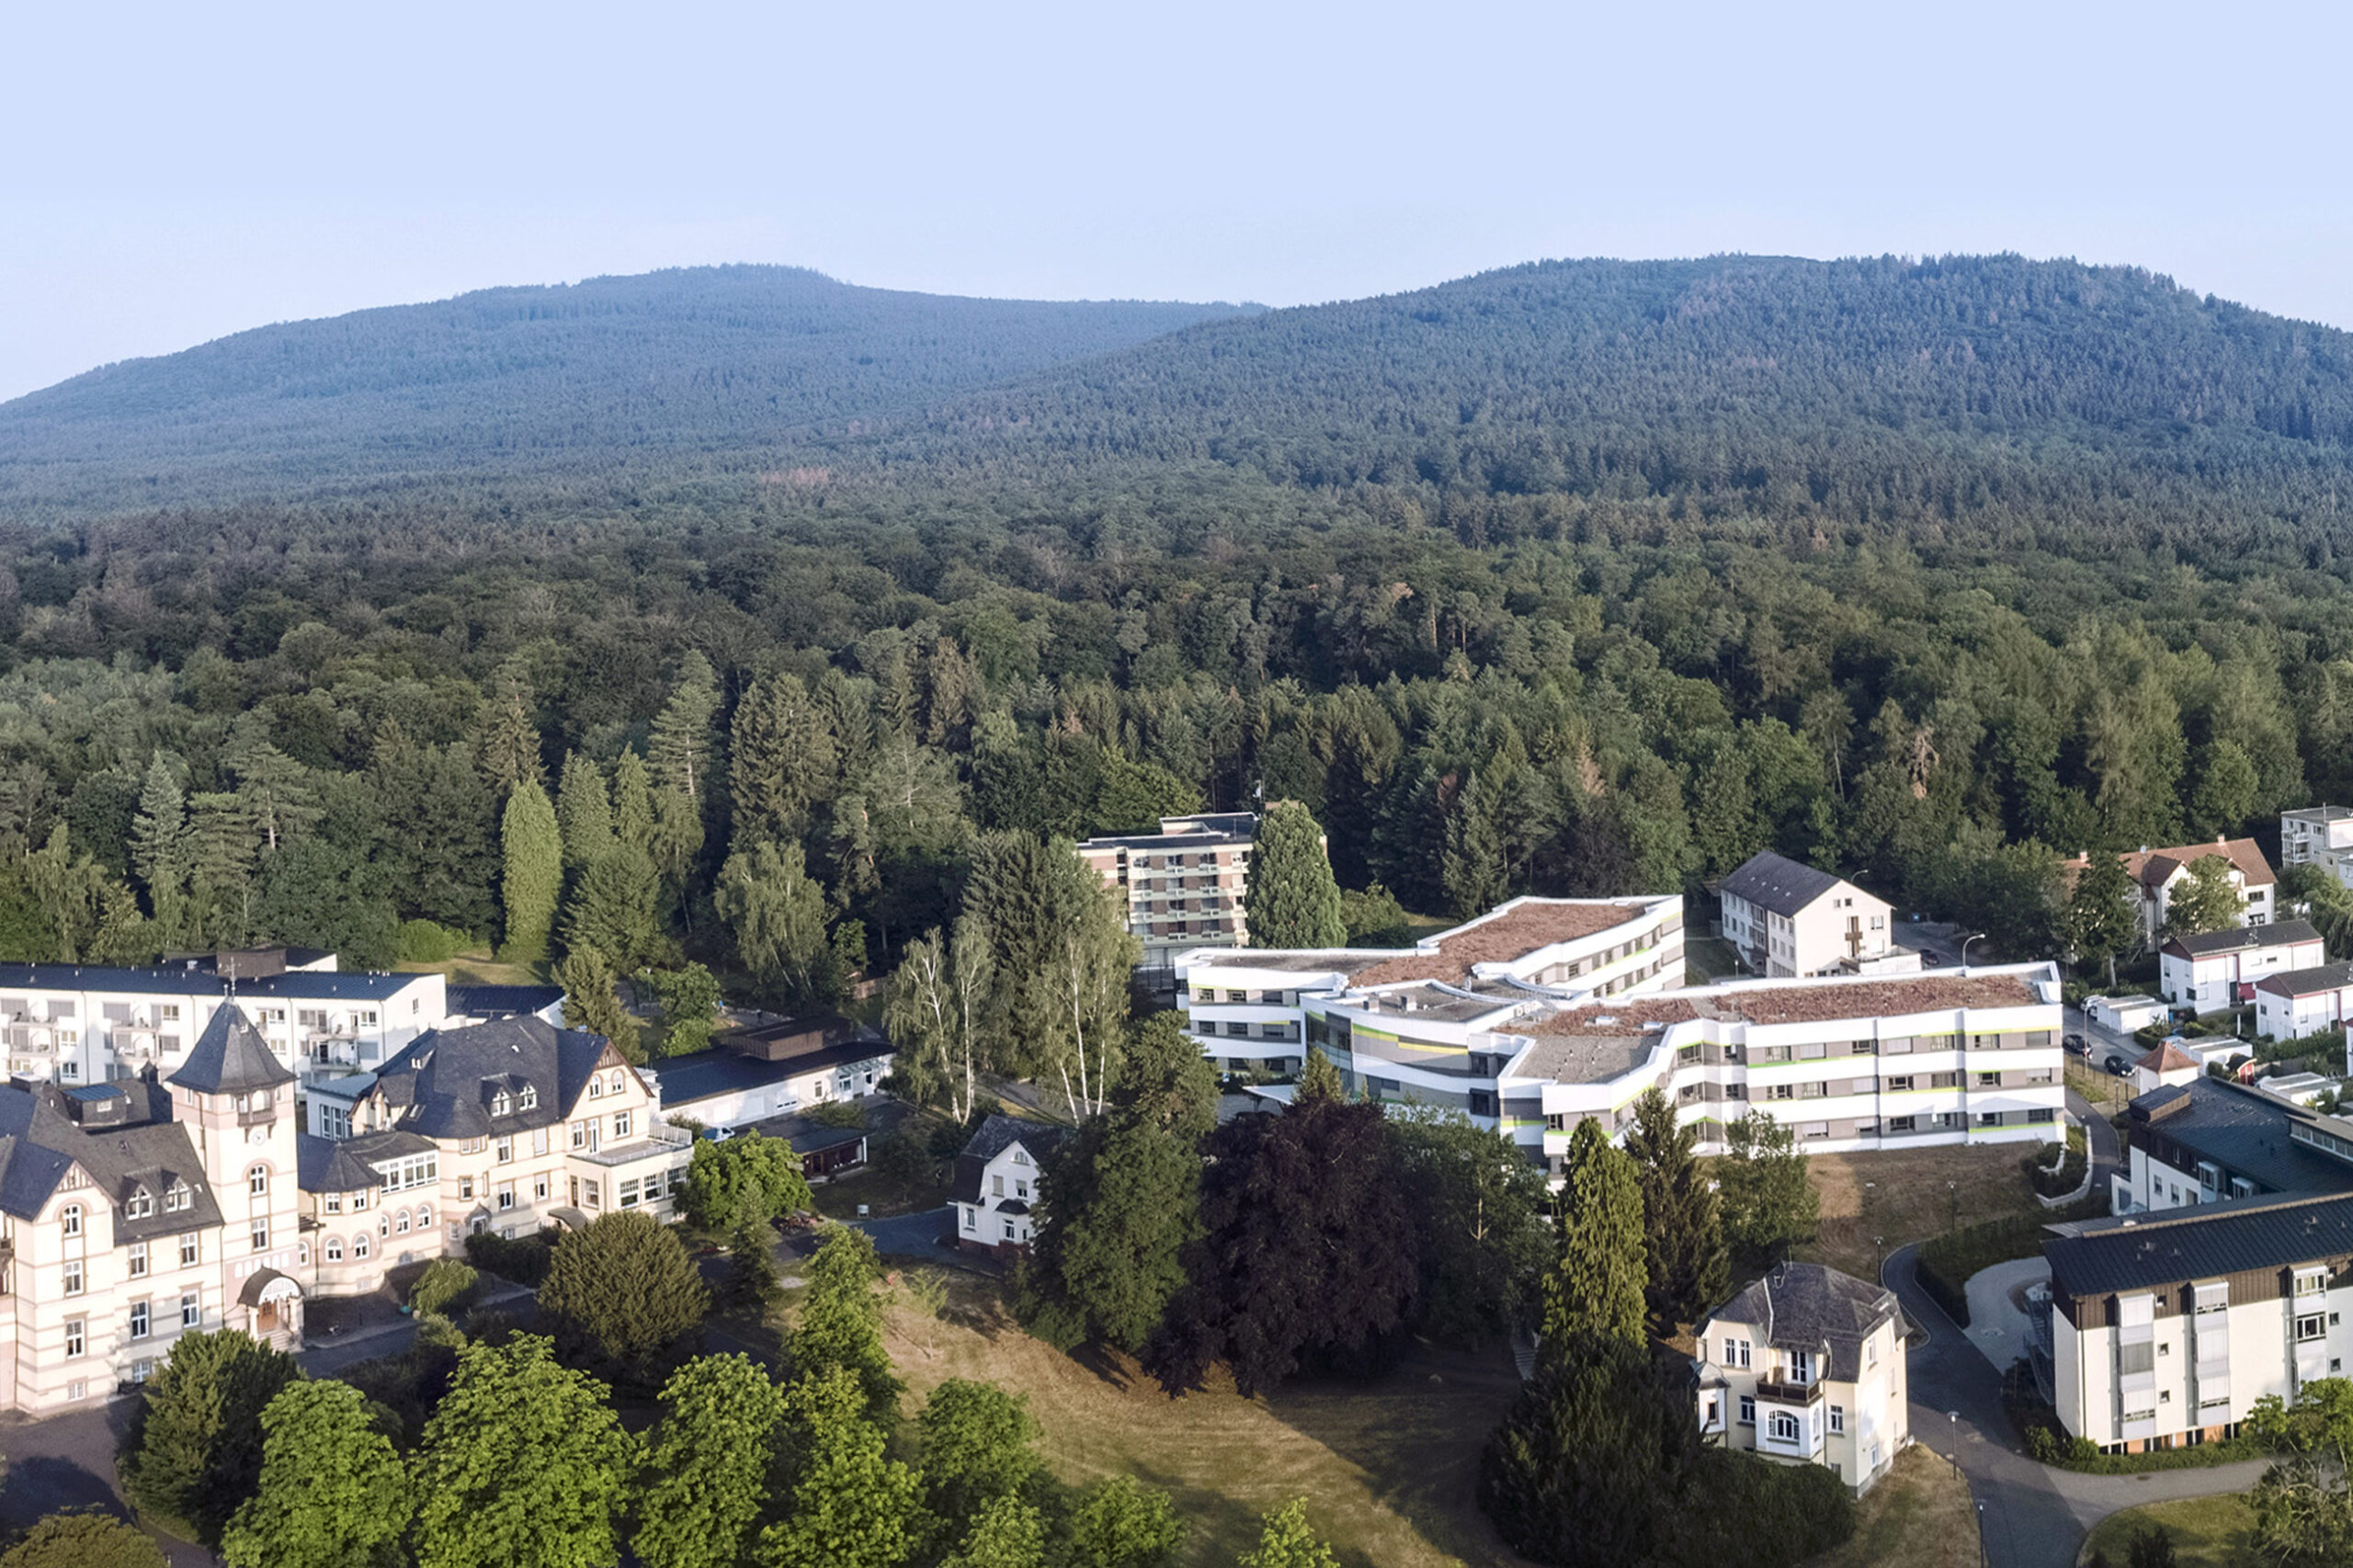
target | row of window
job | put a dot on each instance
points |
(142, 1321)
(138, 1261)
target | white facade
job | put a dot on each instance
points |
(1808, 923)
(2303, 1002)
(2205, 972)
(2124, 1015)
(2319, 835)
(995, 1195)
(1772, 1381)
(2156, 874)
(1181, 887)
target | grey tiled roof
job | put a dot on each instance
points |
(295, 985)
(2308, 982)
(1805, 1306)
(2142, 1251)
(998, 1134)
(1778, 883)
(324, 1164)
(2244, 938)
(443, 1082)
(39, 1140)
(231, 1057)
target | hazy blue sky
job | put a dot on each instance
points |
(175, 173)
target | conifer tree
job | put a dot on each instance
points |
(592, 999)
(194, 1451)
(1318, 1080)
(508, 744)
(780, 757)
(633, 821)
(616, 909)
(159, 851)
(585, 812)
(1595, 1290)
(2102, 922)
(1290, 899)
(1682, 1228)
(532, 847)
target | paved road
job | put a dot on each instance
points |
(2108, 1151)
(2032, 1516)
(917, 1236)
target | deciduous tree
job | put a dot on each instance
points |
(1479, 1205)
(333, 1492)
(1767, 1195)
(703, 1482)
(1288, 1542)
(747, 1180)
(841, 1320)
(2206, 900)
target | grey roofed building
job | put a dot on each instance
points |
(125, 1147)
(447, 1083)
(1778, 883)
(293, 986)
(2311, 982)
(501, 1000)
(327, 1164)
(231, 1057)
(2242, 1130)
(2242, 939)
(2141, 1252)
(1803, 1305)
(998, 1134)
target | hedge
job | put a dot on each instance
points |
(2047, 1443)
(1943, 1262)
(523, 1259)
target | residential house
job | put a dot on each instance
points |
(2167, 1327)
(480, 1004)
(996, 1184)
(2220, 969)
(1786, 919)
(2319, 835)
(2164, 1066)
(95, 1023)
(135, 1209)
(2303, 1002)
(512, 1126)
(2207, 1140)
(1182, 887)
(1806, 1366)
(2156, 874)
(774, 1067)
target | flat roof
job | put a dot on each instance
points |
(1506, 936)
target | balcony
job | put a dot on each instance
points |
(260, 1116)
(1772, 1392)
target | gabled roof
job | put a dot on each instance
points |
(1805, 1306)
(998, 1134)
(445, 1083)
(39, 1141)
(2243, 940)
(2144, 1252)
(2308, 982)
(231, 1057)
(2152, 868)
(1778, 883)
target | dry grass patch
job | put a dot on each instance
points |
(1919, 1515)
(1874, 1203)
(2208, 1532)
(1388, 1468)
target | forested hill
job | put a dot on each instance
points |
(1887, 391)
(663, 373)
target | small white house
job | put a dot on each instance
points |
(2221, 969)
(2303, 1001)
(2163, 1068)
(1807, 1365)
(996, 1184)
(2123, 1015)
(1788, 919)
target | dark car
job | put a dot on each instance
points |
(2078, 1045)
(2118, 1065)
(1929, 961)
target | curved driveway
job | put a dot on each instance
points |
(2031, 1515)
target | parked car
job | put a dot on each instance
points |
(2119, 1065)
(719, 1134)
(2078, 1045)
(1929, 959)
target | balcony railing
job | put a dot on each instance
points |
(261, 1117)
(1779, 1392)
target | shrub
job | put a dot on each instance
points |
(622, 1295)
(422, 941)
(845, 1114)
(445, 1285)
(82, 1538)
(523, 1259)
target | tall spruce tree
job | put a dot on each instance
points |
(592, 999)
(531, 846)
(1290, 899)
(1595, 1290)
(508, 743)
(585, 812)
(781, 760)
(160, 851)
(1683, 1230)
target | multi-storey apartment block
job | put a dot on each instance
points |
(1183, 885)
(135, 1209)
(2208, 1141)
(1807, 1365)
(2166, 1327)
(1788, 919)
(2319, 835)
(2221, 968)
(95, 1024)
(509, 1126)
(1546, 1014)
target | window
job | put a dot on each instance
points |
(996, 1187)
(258, 1180)
(596, 1088)
(140, 1205)
(506, 1194)
(187, 1252)
(465, 1188)
(359, 1199)
(176, 1197)
(589, 1197)
(1747, 1409)
(1989, 1119)
(1008, 1230)
(2311, 1281)
(77, 1338)
(359, 1244)
(1903, 1124)
(1870, 1352)
(621, 1124)
(580, 1132)
(73, 1275)
(425, 1219)
(629, 1193)
(2140, 1358)
(169, 1013)
(1989, 1080)
(400, 1222)
(1784, 1428)
(540, 1190)
(334, 1249)
(502, 1103)
(2311, 1326)
(618, 1079)
(529, 1098)
(192, 1306)
(2040, 1113)
(261, 1235)
(507, 1151)
(138, 1260)
(972, 1219)
(1837, 1418)
(140, 1320)
(334, 1204)
(69, 1219)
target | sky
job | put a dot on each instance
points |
(176, 173)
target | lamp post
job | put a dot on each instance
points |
(1972, 937)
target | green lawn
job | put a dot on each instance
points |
(1707, 959)
(1919, 1515)
(2208, 1532)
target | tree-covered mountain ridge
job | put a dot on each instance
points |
(1864, 389)
(658, 373)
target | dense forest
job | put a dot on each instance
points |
(611, 376)
(1994, 561)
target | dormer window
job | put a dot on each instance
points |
(501, 1103)
(176, 1197)
(530, 1098)
(141, 1205)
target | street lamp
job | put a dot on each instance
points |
(1972, 937)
